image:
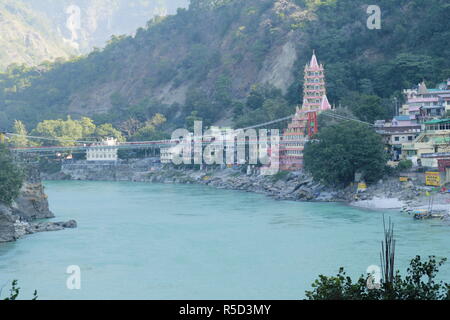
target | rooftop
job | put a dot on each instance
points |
(402, 118)
(438, 121)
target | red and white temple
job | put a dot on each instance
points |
(314, 101)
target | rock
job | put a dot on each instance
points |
(32, 202)
(51, 226)
(30, 205)
(20, 228)
(71, 224)
(7, 220)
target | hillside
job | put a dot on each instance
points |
(35, 31)
(239, 62)
(26, 36)
(99, 19)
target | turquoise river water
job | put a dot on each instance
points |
(156, 241)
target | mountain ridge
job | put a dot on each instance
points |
(204, 63)
(27, 37)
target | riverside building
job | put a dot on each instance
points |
(424, 104)
(432, 145)
(105, 150)
(314, 101)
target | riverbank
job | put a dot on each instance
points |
(18, 219)
(295, 186)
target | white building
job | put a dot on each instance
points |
(166, 155)
(103, 151)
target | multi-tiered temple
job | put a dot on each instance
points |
(314, 101)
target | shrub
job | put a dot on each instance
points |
(404, 165)
(11, 177)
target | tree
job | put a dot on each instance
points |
(341, 150)
(260, 93)
(325, 120)
(130, 126)
(198, 101)
(150, 131)
(11, 177)
(418, 284)
(190, 120)
(368, 108)
(68, 132)
(88, 127)
(404, 165)
(264, 103)
(157, 120)
(206, 4)
(107, 130)
(64, 132)
(15, 291)
(20, 139)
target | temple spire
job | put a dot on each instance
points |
(325, 105)
(314, 101)
(314, 63)
(423, 88)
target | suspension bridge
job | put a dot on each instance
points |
(83, 146)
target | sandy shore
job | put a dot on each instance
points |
(440, 202)
(378, 203)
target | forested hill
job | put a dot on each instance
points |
(27, 36)
(33, 31)
(94, 21)
(235, 61)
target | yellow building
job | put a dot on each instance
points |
(434, 140)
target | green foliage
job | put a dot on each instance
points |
(11, 177)
(28, 37)
(207, 4)
(67, 132)
(404, 165)
(367, 108)
(49, 166)
(107, 130)
(264, 103)
(419, 284)
(379, 63)
(190, 120)
(341, 150)
(209, 107)
(326, 121)
(150, 131)
(365, 68)
(20, 139)
(15, 291)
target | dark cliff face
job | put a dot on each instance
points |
(30, 205)
(32, 202)
(7, 220)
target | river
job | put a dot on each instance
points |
(157, 241)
